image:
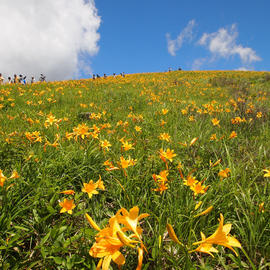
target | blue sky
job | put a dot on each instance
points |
(75, 38)
(133, 35)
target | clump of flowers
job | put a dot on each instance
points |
(161, 180)
(91, 187)
(123, 230)
(224, 173)
(220, 237)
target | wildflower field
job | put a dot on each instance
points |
(150, 171)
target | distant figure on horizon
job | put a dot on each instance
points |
(98, 76)
(105, 76)
(24, 80)
(114, 75)
(15, 79)
(9, 80)
(20, 78)
(179, 69)
(94, 76)
(1, 78)
(42, 78)
(32, 80)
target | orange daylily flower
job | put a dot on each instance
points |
(164, 111)
(215, 122)
(90, 188)
(261, 207)
(190, 181)
(267, 173)
(126, 145)
(164, 137)
(161, 187)
(14, 175)
(168, 154)
(221, 237)
(130, 219)
(2, 179)
(224, 173)
(110, 239)
(233, 135)
(124, 163)
(67, 206)
(100, 184)
(198, 188)
(105, 145)
(205, 247)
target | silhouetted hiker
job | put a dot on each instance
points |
(1, 78)
(15, 79)
(20, 78)
(42, 78)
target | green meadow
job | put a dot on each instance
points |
(150, 171)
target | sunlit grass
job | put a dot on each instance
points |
(187, 148)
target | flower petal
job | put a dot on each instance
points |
(118, 258)
(172, 234)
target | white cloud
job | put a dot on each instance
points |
(186, 34)
(223, 44)
(47, 36)
(197, 63)
(243, 69)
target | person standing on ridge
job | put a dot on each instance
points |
(1, 79)
(15, 80)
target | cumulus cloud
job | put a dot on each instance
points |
(223, 44)
(243, 69)
(185, 35)
(197, 63)
(48, 37)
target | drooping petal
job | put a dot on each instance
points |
(140, 258)
(133, 212)
(125, 240)
(144, 215)
(92, 222)
(209, 209)
(118, 258)
(99, 264)
(172, 234)
(227, 228)
(233, 242)
(228, 246)
(106, 262)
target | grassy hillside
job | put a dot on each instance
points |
(79, 159)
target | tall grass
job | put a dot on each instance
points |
(35, 235)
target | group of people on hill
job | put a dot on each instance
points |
(97, 76)
(20, 79)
